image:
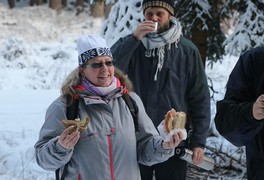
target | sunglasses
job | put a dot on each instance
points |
(99, 65)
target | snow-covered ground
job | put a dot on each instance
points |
(21, 116)
(37, 51)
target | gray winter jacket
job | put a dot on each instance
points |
(181, 84)
(109, 149)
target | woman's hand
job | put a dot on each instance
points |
(174, 141)
(67, 140)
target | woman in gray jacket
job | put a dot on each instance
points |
(109, 148)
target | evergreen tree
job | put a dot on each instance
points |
(249, 16)
(122, 20)
(201, 24)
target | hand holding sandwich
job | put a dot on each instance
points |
(175, 140)
(173, 124)
(71, 134)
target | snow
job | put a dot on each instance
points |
(248, 31)
(37, 51)
(127, 13)
(21, 115)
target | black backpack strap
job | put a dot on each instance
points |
(133, 109)
(57, 174)
(72, 106)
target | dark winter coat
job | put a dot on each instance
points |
(234, 119)
(181, 84)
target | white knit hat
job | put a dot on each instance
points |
(91, 46)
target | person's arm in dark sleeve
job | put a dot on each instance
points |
(199, 101)
(234, 119)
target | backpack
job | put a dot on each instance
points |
(72, 113)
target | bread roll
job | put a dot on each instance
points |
(77, 123)
(174, 120)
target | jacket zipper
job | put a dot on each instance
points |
(111, 157)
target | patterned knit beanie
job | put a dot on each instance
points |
(91, 46)
(166, 4)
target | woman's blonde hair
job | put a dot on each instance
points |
(75, 78)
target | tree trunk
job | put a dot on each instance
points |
(107, 10)
(55, 4)
(39, 2)
(79, 7)
(97, 9)
(199, 38)
(35, 2)
(64, 3)
(11, 3)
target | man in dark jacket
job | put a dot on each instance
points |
(240, 114)
(167, 72)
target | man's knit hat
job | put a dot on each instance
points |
(91, 46)
(166, 4)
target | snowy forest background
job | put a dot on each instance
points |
(37, 50)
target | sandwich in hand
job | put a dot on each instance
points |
(78, 124)
(174, 120)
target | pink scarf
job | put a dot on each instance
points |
(99, 91)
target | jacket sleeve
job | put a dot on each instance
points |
(49, 154)
(234, 119)
(123, 50)
(199, 99)
(149, 142)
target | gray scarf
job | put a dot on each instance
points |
(159, 41)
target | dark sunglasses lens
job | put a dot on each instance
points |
(96, 65)
(109, 63)
(99, 65)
